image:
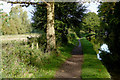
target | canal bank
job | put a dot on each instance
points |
(92, 67)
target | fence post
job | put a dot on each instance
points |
(37, 45)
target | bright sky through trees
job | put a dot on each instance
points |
(91, 7)
(7, 7)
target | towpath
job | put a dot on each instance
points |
(71, 68)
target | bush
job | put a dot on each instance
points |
(72, 38)
(61, 32)
(18, 59)
(40, 40)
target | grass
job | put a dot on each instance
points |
(92, 67)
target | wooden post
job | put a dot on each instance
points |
(37, 45)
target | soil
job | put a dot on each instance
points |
(71, 68)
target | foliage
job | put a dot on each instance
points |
(90, 22)
(92, 67)
(41, 40)
(67, 15)
(96, 43)
(71, 14)
(108, 12)
(110, 18)
(40, 18)
(73, 38)
(16, 22)
(20, 61)
(1, 12)
(60, 34)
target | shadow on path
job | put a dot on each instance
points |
(71, 69)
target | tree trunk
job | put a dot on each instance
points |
(51, 42)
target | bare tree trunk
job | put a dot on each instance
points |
(51, 42)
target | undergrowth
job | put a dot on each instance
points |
(19, 60)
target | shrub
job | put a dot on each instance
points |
(40, 40)
(17, 59)
(61, 32)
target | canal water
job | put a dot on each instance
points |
(108, 52)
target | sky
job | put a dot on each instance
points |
(91, 7)
(7, 7)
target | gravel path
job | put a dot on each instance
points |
(71, 69)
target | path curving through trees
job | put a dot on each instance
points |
(71, 68)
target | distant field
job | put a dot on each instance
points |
(20, 37)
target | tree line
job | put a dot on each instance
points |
(109, 14)
(16, 22)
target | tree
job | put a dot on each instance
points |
(51, 41)
(67, 15)
(20, 19)
(70, 13)
(109, 12)
(40, 17)
(16, 23)
(1, 18)
(90, 22)
(5, 24)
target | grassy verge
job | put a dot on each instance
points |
(92, 67)
(16, 62)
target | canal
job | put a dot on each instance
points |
(108, 52)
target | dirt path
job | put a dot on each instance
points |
(72, 67)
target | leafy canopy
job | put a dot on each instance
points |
(90, 22)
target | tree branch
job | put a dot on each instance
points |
(29, 3)
(46, 2)
(32, 3)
